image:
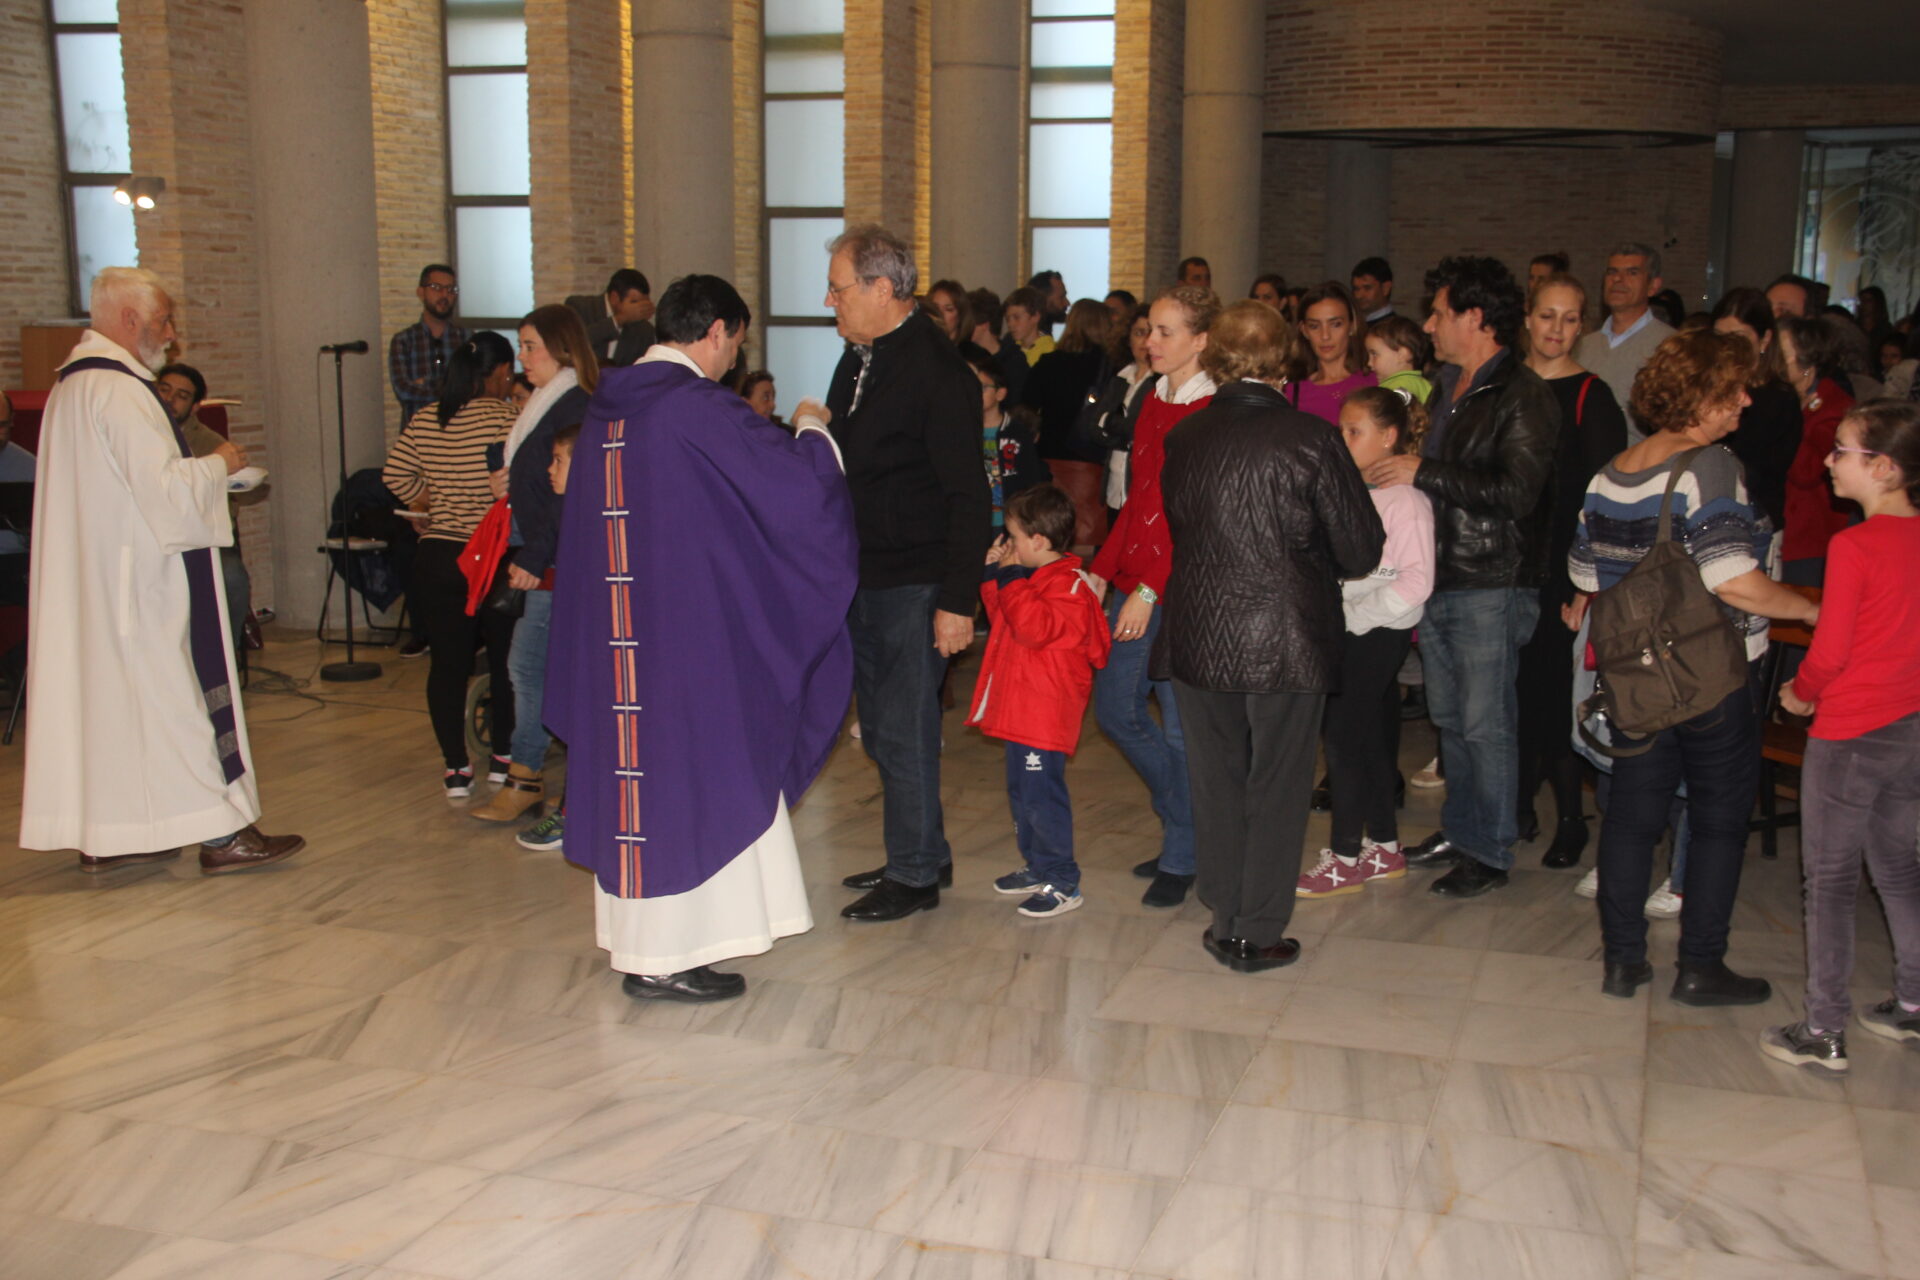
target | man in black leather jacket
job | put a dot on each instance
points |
(1485, 464)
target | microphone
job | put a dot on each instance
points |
(358, 348)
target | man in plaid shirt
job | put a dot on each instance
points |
(418, 353)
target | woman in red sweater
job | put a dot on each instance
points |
(1135, 560)
(1812, 516)
(1860, 786)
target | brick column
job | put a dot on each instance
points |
(976, 148)
(1763, 204)
(577, 101)
(885, 163)
(683, 145)
(1220, 161)
(1149, 36)
(35, 275)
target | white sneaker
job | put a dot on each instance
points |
(1428, 777)
(1589, 886)
(1664, 904)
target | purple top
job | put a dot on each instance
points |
(698, 667)
(1324, 401)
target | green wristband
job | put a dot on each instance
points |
(1147, 593)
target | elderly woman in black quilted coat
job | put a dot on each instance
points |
(1268, 514)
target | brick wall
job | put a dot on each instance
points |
(749, 249)
(1293, 210)
(576, 64)
(186, 76)
(1147, 74)
(35, 278)
(885, 145)
(1818, 106)
(410, 158)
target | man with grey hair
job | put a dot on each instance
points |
(137, 744)
(905, 410)
(1616, 350)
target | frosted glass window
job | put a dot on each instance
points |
(107, 11)
(1082, 101)
(797, 258)
(102, 234)
(805, 17)
(1079, 254)
(93, 102)
(487, 121)
(806, 71)
(805, 154)
(1070, 171)
(493, 250)
(485, 34)
(1072, 8)
(1073, 44)
(801, 360)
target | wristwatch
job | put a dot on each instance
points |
(1147, 593)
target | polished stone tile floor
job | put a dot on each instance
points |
(401, 1056)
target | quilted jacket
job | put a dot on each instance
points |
(1268, 514)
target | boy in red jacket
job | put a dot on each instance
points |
(1048, 634)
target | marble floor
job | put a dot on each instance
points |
(401, 1056)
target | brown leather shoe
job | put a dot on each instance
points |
(249, 849)
(94, 866)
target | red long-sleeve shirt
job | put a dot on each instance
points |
(1138, 550)
(1811, 516)
(1863, 671)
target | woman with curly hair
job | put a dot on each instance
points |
(1689, 396)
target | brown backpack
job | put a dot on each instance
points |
(1663, 646)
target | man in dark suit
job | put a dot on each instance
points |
(619, 321)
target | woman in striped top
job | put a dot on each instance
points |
(439, 465)
(1689, 396)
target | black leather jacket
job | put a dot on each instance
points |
(1488, 482)
(1267, 513)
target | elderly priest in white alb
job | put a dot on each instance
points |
(136, 744)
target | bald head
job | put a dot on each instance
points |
(130, 306)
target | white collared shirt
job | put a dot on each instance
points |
(1615, 339)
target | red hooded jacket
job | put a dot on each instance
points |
(1048, 635)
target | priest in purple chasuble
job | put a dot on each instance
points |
(699, 666)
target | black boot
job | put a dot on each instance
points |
(1621, 980)
(1147, 870)
(1569, 842)
(1167, 890)
(1712, 984)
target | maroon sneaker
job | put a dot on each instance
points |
(1330, 877)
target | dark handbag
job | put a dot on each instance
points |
(503, 599)
(1663, 646)
(1108, 419)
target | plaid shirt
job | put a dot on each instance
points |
(415, 361)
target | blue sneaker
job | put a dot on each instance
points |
(1049, 901)
(1022, 881)
(544, 835)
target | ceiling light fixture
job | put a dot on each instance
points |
(141, 193)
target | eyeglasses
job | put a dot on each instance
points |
(451, 290)
(837, 289)
(1839, 449)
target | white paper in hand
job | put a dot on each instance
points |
(246, 478)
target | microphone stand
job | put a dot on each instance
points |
(349, 671)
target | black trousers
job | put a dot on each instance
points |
(1546, 715)
(440, 609)
(1250, 763)
(1362, 733)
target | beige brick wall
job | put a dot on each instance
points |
(1811, 106)
(749, 247)
(186, 75)
(577, 96)
(35, 278)
(886, 144)
(1147, 76)
(1293, 210)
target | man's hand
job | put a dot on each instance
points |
(952, 632)
(232, 454)
(814, 410)
(1791, 704)
(1135, 614)
(497, 483)
(520, 579)
(1396, 469)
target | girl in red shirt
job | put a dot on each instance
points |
(1860, 783)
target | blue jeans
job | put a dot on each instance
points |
(1042, 814)
(1120, 692)
(896, 677)
(1470, 647)
(527, 663)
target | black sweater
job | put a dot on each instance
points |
(1057, 389)
(536, 507)
(921, 506)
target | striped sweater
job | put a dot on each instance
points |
(1712, 518)
(449, 462)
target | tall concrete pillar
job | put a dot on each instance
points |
(976, 142)
(1220, 133)
(319, 273)
(683, 137)
(1763, 204)
(1359, 194)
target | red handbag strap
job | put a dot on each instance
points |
(1580, 405)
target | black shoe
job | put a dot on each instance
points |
(1469, 878)
(891, 900)
(1569, 842)
(1220, 949)
(1244, 957)
(1529, 824)
(1622, 980)
(1712, 984)
(1801, 1046)
(690, 986)
(1147, 870)
(871, 879)
(413, 648)
(1435, 851)
(1322, 797)
(1167, 890)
